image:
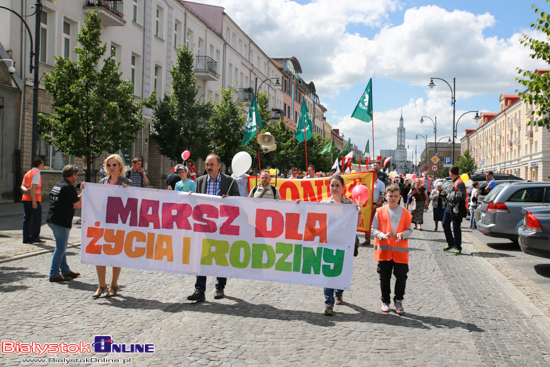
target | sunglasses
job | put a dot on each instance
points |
(112, 164)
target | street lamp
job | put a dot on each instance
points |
(453, 102)
(476, 119)
(426, 141)
(415, 150)
(256, 87)
(435, 128)
(33, 67)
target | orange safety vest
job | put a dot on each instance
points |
(27, 182)
(385, 250)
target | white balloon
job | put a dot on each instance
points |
(241, 163)
(469, 183)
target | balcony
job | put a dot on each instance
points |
(245, 94)
(110, 12)
(207, 68)
(276, 113)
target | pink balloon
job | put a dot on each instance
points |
(360, 193)
(186, 154)
(414, 176)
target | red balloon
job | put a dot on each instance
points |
(186, 154)
(360, 193)
(414, 176)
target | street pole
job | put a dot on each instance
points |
(453, 102)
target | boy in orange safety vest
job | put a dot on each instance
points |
(391, 226)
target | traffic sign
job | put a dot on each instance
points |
(435, 168)
(447, 162)
(425, 168)
(435, 159)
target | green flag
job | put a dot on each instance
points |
(363, 110)
(366, 149)
(304, 130)
(250, 129)
(327, 148)
(346, 148)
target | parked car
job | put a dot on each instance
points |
(501, 210)
(534, 233)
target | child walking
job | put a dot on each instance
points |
(391, 226)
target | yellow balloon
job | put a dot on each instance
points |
(464, 177)
(353, 171)
(272, 171)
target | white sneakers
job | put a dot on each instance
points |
(398, 307)
(385, 307)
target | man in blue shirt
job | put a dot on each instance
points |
(491, 182)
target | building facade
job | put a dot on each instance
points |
(508, 142)
(144, 37)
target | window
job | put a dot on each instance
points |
(159, 22)
(547, 196)
(230, 75)
(135, 73)
(43, 37)
(177, 33)
(137, 11)
(527, 195)
(190, 41)
(157, 83)
(54, 160)
(66, 40)
(116, 52)
(201, 51)
(284, 109)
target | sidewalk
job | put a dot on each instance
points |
(11, 234)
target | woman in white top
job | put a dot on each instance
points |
(473, 204)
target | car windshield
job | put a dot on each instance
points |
(493, 194)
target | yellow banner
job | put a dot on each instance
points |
(318, 189)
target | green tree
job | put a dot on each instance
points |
(466, 164)
(538, 84)
(224, 127)
(442, 173)
(179, 119)
(93, 111)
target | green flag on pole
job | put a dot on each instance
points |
(366, 149)
(250, 129)
(327, 149)
(304, 130)
(346, 148)
(363, 110)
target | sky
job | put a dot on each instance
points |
(400, 44)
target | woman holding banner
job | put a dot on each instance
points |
(337, 187)
(114, 167)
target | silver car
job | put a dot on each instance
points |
(501, 210)
(534, 233)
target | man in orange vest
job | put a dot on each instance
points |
(32, 198)
(391, 226)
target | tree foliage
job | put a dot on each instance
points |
(179, 119)
(466, 164)
(224, 127)
(538, 84)
(94, 111)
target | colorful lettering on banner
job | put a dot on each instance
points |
(301, 243)
(318, 189)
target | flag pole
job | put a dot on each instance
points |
(305, 141)
(372, 136)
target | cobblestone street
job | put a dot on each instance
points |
(460, 311)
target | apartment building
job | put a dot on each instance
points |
(505, 142)
(144, 37)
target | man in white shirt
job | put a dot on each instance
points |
(310, 172)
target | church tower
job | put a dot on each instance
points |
(400, 158)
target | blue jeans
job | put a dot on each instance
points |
(200, 284)
(455, 241)
(472, 216)
(34, 215)
(59, 260)
(329, 295)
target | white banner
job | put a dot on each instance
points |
(276, 240)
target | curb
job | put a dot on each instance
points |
(541, 320)
(34, 253)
